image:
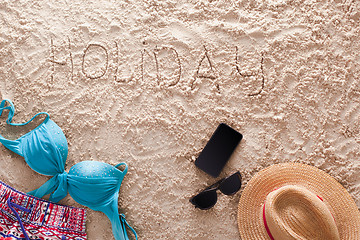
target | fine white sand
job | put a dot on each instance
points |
(148, 82)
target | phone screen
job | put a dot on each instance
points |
(218, 150)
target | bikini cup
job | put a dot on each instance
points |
(90, 183)
(44, 148)
(96, 185)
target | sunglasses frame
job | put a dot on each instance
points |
(215, 187)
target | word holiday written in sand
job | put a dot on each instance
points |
(154, 55)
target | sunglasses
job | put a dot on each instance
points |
(208, 197)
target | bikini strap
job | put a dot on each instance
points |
(10, 144)
(124, 222)
(11, 109)
(14, 145)
(122, 164)
(118, 221)
(12, 112)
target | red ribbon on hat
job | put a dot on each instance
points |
(265, 224)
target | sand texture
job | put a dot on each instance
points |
(147, 82)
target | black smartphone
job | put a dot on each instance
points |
(218, 150)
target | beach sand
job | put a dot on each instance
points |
(148, 82)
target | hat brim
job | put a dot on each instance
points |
(339, 201)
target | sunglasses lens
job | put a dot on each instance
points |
(205, 199)
(231, 184)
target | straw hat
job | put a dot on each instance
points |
(296, 201)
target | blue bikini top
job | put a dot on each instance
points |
(90, 183)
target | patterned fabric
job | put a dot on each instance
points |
(45, 220)
(90, 183)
